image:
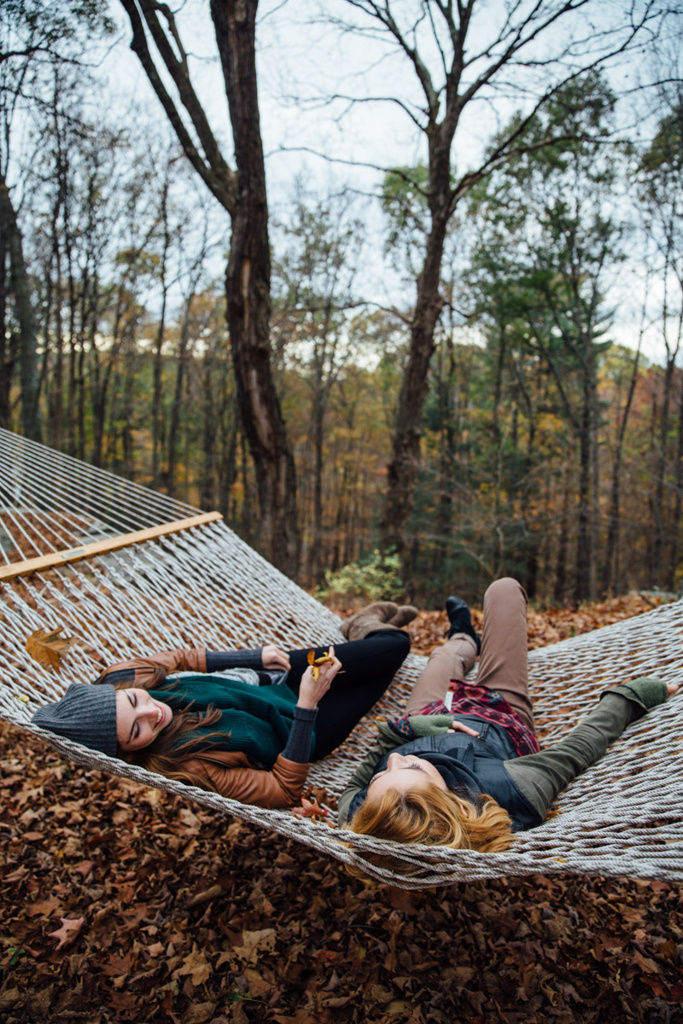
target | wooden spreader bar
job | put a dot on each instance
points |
(102, 547)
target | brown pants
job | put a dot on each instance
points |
(503, 660)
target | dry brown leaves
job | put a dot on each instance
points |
(121, 903)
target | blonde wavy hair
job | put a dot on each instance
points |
(436, 817)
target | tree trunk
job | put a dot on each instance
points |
(658, 570)
(446, 473)
(101, 374)
(315, 560)
(54, 371)
(498, 555)
(610, 568)
(595, 476)
(583, 533)
(672, 581)
(177, 404)
(405, 446)
(126, 405)
(157, 407)
(243, 196)
(5, 360)
(560, 588)
(248, 292)
(28, 359)
(212, 438)
(586, 546)
(228, 467)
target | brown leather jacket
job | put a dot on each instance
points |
(224, 771)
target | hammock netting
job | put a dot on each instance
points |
(202, 586)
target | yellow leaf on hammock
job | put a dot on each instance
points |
(48, 648)
(315, 663)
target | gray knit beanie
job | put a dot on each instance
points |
(85, 714)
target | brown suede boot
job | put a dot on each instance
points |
(368, 619)
(405, 614)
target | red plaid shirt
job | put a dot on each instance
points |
(489, 705)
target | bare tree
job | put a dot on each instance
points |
(242, 193)
(462, 53)
(315, 285)
(12, 244)
(36, 37)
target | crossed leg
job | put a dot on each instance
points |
(503, 661)
(452, 660)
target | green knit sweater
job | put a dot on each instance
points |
(256, 720)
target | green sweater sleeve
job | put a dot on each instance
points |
(540, 777)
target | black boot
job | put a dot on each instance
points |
(461, 622)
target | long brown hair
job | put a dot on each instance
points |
(430, 815)
(174, 745)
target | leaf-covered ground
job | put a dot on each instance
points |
(123, 904)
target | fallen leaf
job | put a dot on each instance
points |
(315, 663)
(69, 930)
(309, 809)
(43, 907)
(47, 648)
(199, 1013)
(258, 986)
(196, 966)
(254, 942)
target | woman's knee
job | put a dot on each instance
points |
(392, 645)
(400, 642)
(395, 644)
(506, 588)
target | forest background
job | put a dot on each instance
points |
(424, 314)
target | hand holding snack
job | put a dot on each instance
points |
(317, 678)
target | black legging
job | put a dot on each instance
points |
(369, 666)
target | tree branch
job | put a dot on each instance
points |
(214, 171)
(385, 17)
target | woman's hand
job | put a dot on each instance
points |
(672, 688)
(312, 690)
(456, 726)
(275, 658)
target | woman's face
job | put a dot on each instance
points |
(405, 774)
(139, 718)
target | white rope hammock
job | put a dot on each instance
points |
(202, 586)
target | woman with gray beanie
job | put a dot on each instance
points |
(241, 723)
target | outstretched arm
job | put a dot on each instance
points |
(141, 671)
(269, 657)
(540, 777)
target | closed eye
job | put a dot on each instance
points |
(135, 728)
(408, 767)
